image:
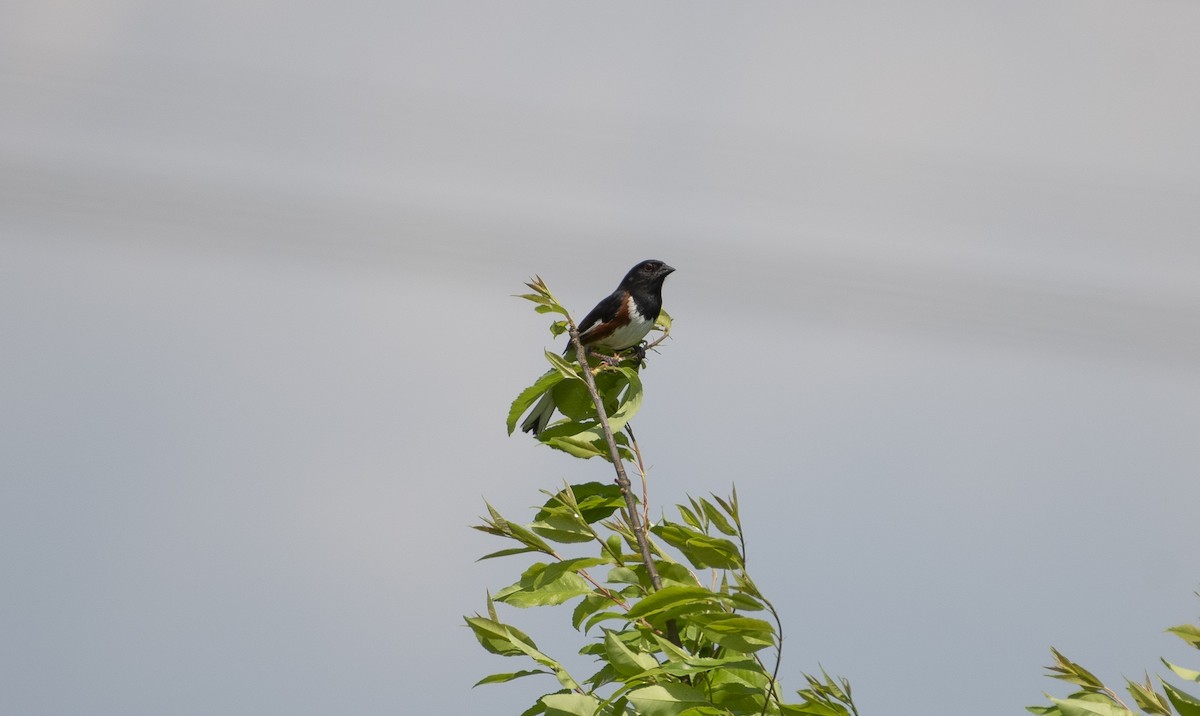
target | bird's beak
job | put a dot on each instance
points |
(665, 270)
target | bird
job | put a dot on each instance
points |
(618, 322)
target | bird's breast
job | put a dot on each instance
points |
(629, 334)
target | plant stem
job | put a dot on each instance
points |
(635, 522)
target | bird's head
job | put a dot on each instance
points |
(650, 272)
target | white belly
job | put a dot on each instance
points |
(627, 336)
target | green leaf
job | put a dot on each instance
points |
(560, 673)
(527, 538)
(587, 606)
(601, 617)
(593, 501)
(664, 321)
(547, 584)
(813, 708)
(1188, 632)
(570, 704)
(1184, 703)
(537, 709)
(668, 699)
(1183, 673)
(718, 520)
(630, 403)
(528, 396)
(498, 638)
(626, 661)
(693, 666)
(573, 400)
(1147, 699)
(742, 634)
(622, 575)
(506, 553)
(735, 696)
(1069, 671)
(730, 506)
(564, 367)
(689, 517)
(501, 678)
(745, 602)
(577, 447)
(673, 601)
(1085, 707)
(615, 544)
(564, 529)
(700, 549)
(674, 573)
(552, 309)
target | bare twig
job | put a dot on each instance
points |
(637, 451)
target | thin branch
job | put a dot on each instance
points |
(638, 526)
(637, 452)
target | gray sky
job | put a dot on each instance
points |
(936, 309)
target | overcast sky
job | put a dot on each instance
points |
(937, 316)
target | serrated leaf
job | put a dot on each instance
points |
(668, 699)
(527, 397)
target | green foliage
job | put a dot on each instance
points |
(676, 627)
(718, 665)
(1096, 699)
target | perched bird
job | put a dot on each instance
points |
(618, 322)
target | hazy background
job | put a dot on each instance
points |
(937, 316)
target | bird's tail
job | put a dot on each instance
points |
(540, 416)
